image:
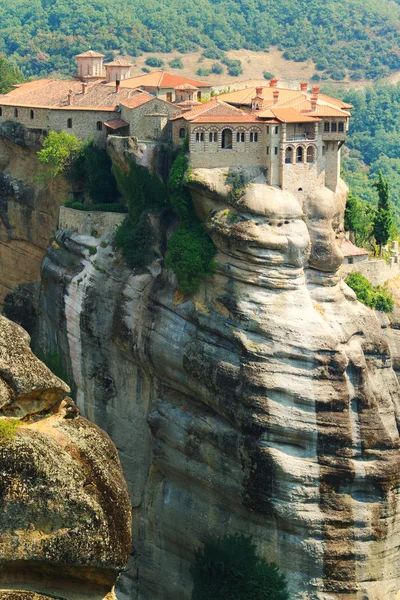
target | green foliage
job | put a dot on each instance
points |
(230, 568)
(176, 63)
(358, 218)
(153, 61)
(234, 66)
(268, 75)
(8, 430)
(42, 37)
(202, 72)
(145, 70)
(190, 252)
(217, 68)
(111, 207)
(143, 193)
(9, 75)
(100, 183)
(374, 297)
(383, 220)
(237, 181)
(58, 152)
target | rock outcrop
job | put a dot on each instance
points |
(28, 207)
(266, 404)
(65, 522)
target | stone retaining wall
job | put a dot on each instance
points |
(376, 271)
(89, 223)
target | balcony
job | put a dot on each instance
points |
(334, 136)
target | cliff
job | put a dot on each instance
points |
(265, 404)
(64, 507)
(28, 207)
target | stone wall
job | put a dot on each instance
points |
(377, 271)
(150, 118)
(89, 223)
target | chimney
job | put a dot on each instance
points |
(276, 96)
(117, 85)
(259, 91)
(303, 86)
(314, 97)
(69, 97)
(84, 88)
(273, 83)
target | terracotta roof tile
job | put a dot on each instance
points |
(116, 123)
(225, 119)
(213, 107)
(138, 100)
(118, 62)
(287, 115)
(89, 54)
(350, 249)
(186, 86)
(161, 79)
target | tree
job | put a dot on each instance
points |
(383, 221)
(230, 568)
(9, 75)
(58, 152)
(358, 219)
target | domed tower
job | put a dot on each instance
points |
(118, 69)
(90, 64)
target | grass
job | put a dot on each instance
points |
(8, 430)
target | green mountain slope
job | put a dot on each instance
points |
(360, 36)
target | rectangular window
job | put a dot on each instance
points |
(323, 150)
(341, 127)
(210, 137)
(326, 127)
(169, 96)
(251, 136)
(276, 150)
(334, 127)
(215, 136)
(276, 130)
(267, 149)
(268, 129)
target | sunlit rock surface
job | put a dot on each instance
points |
(64, 507)
(266, 404)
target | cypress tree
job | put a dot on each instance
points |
(383, 221)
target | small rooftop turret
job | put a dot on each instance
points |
(118, 70)
(90, 64)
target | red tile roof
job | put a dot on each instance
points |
(213, 108)
(350, 249)
(161, 79)
(89, 54)
(287, 115)
(118, 62)
(138, 100)
(116, 123)
(226, 119)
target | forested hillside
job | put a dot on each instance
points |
(359, 38)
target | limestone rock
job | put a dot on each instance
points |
(65, 521)
(266, 404)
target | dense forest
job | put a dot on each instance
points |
(359, 38)
(373, 143)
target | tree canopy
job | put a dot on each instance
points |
(361, 36)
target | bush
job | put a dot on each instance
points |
(217, 68)
(136, 240)
(59, 151)
(230, 568)
(111, 207)
(202, 72)
(8, 430)
(378, 298)
(153, 61)
(145, 70)
(176, 63)
(268, 75)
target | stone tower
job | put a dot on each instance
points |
(118, 69)
(90, 64)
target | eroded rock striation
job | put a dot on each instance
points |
(266, 404)
(65, 522)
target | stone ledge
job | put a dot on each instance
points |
(91, 222)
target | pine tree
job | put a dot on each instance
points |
(383, 221)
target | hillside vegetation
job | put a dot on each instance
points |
(358, 36)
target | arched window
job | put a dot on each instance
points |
(16, 112)
(182, 133)
(253, 136)
(213, 136)
(32, 114)
(226, 139)
(240, 136)
(99, 126)
(69, 123)
(200, 136)
(310, 154)
(289, 155)
(299, 154)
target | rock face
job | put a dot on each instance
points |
(65, 523)
(28, 208)
(266, 404)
